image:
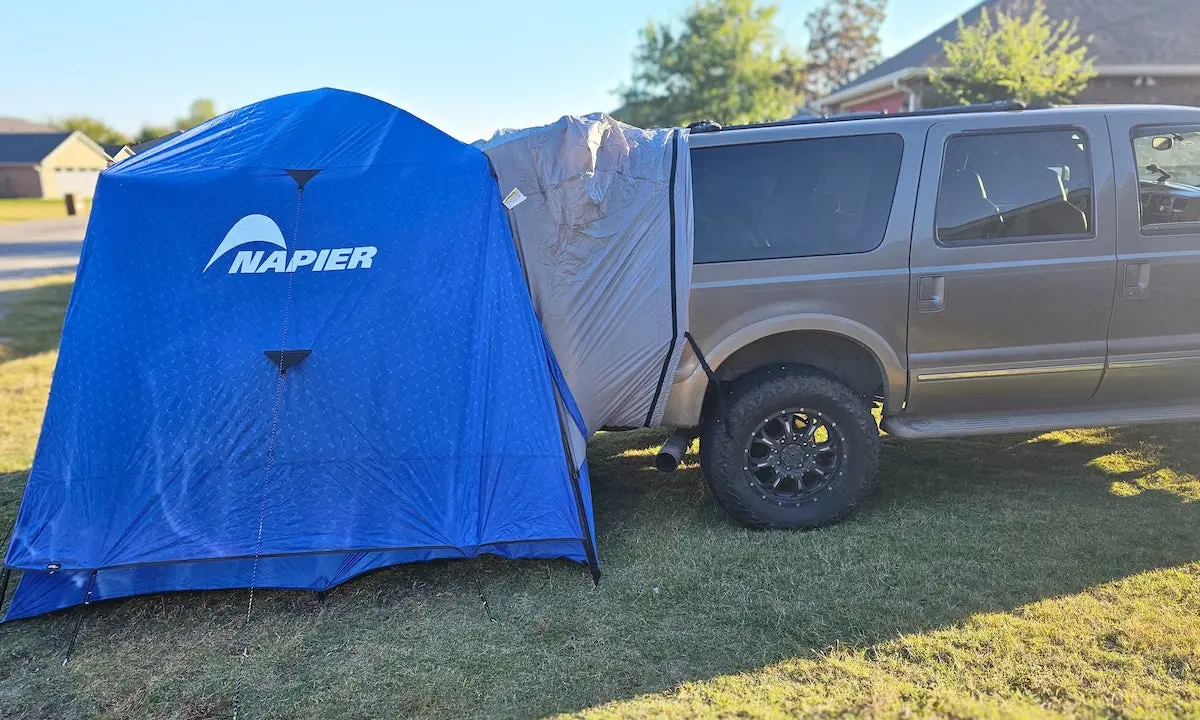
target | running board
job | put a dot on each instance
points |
(1001, 424)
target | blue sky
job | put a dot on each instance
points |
(467, 66)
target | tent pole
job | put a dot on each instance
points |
(588, 548)
(5, 575)
(4, 585)
(662, 376)
(87, 600)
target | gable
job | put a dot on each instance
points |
(77, 151)
(1117, 32)
(120, 152)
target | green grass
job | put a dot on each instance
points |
(1019, 576)
(20, 209)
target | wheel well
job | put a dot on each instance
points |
(837, 355)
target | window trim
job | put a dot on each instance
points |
(888, 215)
(1159, 229)
(1020, 130)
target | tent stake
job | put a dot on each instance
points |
(487, 609)
(87, 600)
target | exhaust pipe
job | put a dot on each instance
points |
(672, 452)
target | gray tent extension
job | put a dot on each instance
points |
(602, 215)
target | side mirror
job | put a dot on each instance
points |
(1162, 142)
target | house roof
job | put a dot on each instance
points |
(1116, 32)
(29, 148)
(113, 149)
(142, 147)
(17, 125)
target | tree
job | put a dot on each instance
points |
(201, 110)
(1031, 61)
(95, 129)
(843, 42)
(727, 63)
(153, 132)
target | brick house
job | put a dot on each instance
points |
(49, 164)
(1145, 51)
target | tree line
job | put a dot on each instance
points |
(200, 110)
(729, 61)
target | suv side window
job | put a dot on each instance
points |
(1015, 186)
(1168, 179)
(794, 198)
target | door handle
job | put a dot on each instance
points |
(931, 293)
(1137, 280)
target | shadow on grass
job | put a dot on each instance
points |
(31, 318)
(11, 488)
(955, 528)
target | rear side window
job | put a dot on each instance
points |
(1169, 180)
(1015, 186)
(796, 198)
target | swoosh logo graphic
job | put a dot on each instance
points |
(250, 229)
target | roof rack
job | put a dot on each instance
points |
(705, 126)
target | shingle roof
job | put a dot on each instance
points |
(147, 144)
(1117, 32)
(17, 125)
(28, 148)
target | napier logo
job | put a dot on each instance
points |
(254, 229)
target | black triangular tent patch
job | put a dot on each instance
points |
(302, 176)
(286, 359)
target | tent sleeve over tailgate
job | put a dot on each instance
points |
(605, 233)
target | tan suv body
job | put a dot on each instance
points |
(972, 271)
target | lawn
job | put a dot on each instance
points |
(1020, 576)
(20, 209)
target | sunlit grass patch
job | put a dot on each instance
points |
(22, 209)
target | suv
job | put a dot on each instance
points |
(969, 270)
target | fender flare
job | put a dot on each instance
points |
(692, 383)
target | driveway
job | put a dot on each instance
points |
(40, 247)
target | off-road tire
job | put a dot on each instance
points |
(756, 396)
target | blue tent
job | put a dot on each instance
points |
(300, 347)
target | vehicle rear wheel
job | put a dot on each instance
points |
(799, 449)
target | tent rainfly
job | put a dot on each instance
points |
(300, 347)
